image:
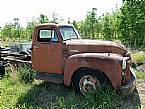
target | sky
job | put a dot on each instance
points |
(26, 10)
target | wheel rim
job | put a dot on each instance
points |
(88, 83)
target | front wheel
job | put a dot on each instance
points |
(85, 81)
(88, 83)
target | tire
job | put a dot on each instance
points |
(2, 71)
(87, 80)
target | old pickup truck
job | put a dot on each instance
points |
(59, 55)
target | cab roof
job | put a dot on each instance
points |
(54, 24)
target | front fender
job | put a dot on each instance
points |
(107, 63)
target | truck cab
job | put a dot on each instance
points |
(60, 55)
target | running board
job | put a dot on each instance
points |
(55, 78)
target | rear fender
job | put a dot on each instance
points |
(101, 61)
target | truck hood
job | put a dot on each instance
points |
(94, 46)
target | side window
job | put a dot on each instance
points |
(47, 35)
(54, 37)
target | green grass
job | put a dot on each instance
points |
(138, 56)
(44, 95)
(19, 94)
(25, 74)
(22, 92)
(140, 75)
(10, 91)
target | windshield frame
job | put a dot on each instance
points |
(74, 30)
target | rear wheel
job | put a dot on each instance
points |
(85, 80)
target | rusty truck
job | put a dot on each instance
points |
(60, 55)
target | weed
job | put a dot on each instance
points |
(102, 99)
(140, 75)
(45, 95)
(10, 91)
(25, 74)
(138, 56)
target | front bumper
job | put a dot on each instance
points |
(129, 86)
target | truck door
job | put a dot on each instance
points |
(47, 51)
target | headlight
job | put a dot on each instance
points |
(124, 64)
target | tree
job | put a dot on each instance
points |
(29, 29)
(88, 26)
(8, 31)
(116, 24)
(43, 18)
(132, 23)
(91, 20)
(109, 25)
(17, 32)
(55, 18)
(75, 24)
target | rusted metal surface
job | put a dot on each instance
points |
(46, 56)
(94, 46)
(109, 64)
(20, 48)
(129, 86)
(17, 60)
(67, 56)
(50, 77)
(6, 58)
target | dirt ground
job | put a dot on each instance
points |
(140, 84)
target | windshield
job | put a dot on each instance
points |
(68, 32)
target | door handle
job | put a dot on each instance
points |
(35, 46)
